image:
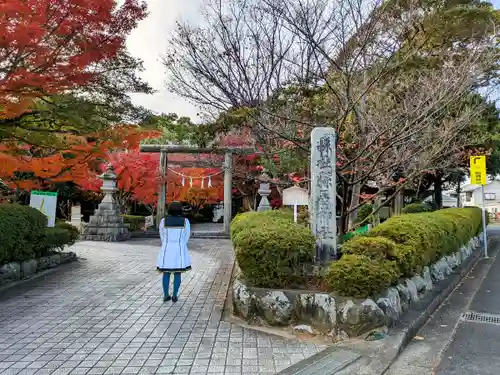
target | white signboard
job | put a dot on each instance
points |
(46, 203)
(295, 196)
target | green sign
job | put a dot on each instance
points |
(361, 230)
(49, 193)
(46, 203)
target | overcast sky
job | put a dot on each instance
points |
(149, 42)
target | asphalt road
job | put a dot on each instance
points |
(475, 347)
(450, 344)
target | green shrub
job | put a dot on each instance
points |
(466, 221)
(22, 231)
(372, 247)
(365, 211)
(74, 232)
(416, 237)
(136, 223)
(55, 239)
(359, 276)
(414, 208)
(274, 253)
(401, 246)
(254, 219)
(423, 238)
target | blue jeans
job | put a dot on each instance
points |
(166, 283)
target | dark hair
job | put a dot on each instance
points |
(175, 209)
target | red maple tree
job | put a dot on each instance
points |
(55, 46)
(137, 176)
(26, 167)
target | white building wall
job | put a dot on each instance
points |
(492, 193)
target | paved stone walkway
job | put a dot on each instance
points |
(105, 315)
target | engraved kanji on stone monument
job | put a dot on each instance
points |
(323, 192)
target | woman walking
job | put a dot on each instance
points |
(175, 231)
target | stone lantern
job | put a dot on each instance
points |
(108, 187)
(264, 191)
(107, 223)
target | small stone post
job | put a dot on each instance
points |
(323, 193)
(264, 191)
(76, 216)
(107, 223)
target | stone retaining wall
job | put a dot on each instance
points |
(336, 316)
(14, 271)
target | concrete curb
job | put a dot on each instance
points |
(378, 356)
(61, 268)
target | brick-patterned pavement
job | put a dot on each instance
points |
(105, 315)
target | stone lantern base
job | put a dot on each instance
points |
(105, 225)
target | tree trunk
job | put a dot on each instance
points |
(438, 191)
(459, 188)
(356, 190)
(397, 203)
(247, 203)
(341, 230)
(376, 216)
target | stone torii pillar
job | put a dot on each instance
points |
(228, 190)
(162, 191)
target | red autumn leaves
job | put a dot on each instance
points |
(51, 46)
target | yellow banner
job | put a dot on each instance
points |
(478, 170)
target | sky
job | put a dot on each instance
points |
(149, 42)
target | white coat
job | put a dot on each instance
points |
(174, 255)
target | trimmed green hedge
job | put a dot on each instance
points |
(254, 218)
(24, 234)
(414, 208)
(410, 242)
(272, 251)
(360, 276)
(22, 230)
(136, 223)
(372, 247)
(423, 238)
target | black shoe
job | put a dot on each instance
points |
(175, 299)
(167, 298)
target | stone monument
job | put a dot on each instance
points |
(322, 207)
(107, 223)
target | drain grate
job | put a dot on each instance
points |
(471, 316)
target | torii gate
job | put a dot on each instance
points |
(228, 152)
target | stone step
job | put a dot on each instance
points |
(196, 234)
(327, 362)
